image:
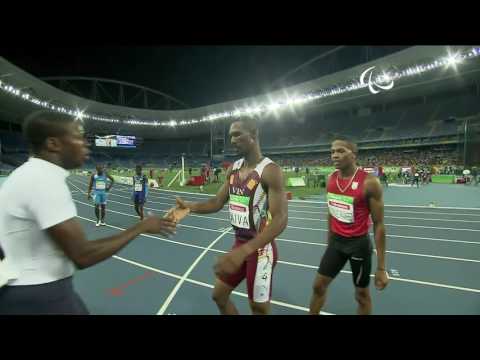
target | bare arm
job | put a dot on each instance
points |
(111, 182)
(90, 185)
(212, 205)
(329, 219)
(70, 237)
(375, 202)
(330, 234)
(278, 206)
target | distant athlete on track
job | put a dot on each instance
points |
(100, 186)
(140, 190)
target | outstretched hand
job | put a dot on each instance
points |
(156, 225)
(180, 211)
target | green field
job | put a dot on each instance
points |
(443, 179)
(212, 188)
(297, 192)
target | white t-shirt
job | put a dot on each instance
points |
(33, 198)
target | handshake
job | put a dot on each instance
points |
(165, 226)
(177, 213)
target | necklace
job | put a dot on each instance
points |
(349, 183)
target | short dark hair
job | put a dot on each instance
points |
(42, 124)
(249, 123)
(349, 142)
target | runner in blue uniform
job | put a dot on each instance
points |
(140, 190)
(99, 184)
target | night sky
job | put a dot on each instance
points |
(196, 75)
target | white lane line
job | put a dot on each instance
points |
(297, 264)
(276, 302)
(388, 205)
(297, 227)
(394, 211)
(435, 239)
(201, 283)
(324, 220)
(226, 231)
(438, 285)
(323, 202)
(323, 230)
(305, 228)
(172, 294)
(148, 235)
(432, 256)
(316, 244)
(397, 225)
(321, 244)
(200, 195)
(131, 262)
(79, 190)
(395, 217)
(430, 213)
(397, 278)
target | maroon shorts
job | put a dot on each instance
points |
(258, 270)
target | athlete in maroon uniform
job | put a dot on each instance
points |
(352, 196)
(254, 190)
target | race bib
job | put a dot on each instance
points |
(100, 185)
(239, 212)
(341, 207)
(138, 187)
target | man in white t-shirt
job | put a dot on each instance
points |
(42, 240)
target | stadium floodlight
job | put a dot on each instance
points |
(453, 59)
(352, 85)
(273, 106)
(79, 115)
(248, 110)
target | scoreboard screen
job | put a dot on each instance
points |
(125, 141)
(115, 141)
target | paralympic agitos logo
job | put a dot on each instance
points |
(376, 83)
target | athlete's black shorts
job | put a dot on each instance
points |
(358, 250)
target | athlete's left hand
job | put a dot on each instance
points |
(230, 263)
(381, 279)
